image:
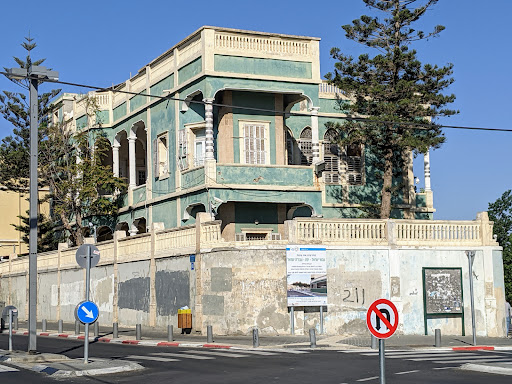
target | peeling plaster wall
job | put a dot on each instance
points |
(133, 292)
(72, 291)
(46, 290)
(102, 292)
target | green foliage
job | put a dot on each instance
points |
(48, 237)
(14, 107)
(395, 93)
(501, 213)
(81, 186)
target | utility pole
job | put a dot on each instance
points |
(34, 74)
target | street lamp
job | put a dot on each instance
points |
(471, 257)
(34, 74)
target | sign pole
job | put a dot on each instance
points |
(87, 281)
(471, 256)
(382, 361)
(10, 330)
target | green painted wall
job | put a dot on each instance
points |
(192, 178)
(421, 200)
(137, 101)
(263, 67)
(247, 213)
(167, 83)
(190, 70)
(103, 117)
(332, 106)
(139, 195)
(119, 111)
(163, 119)
(200, 197)
(81, 122)
(165, 212)
(228, 174)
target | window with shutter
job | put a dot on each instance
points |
(354, 160)
(255, 146)
(331, 150)
(182, 149)
(162, 154)
(306, 146)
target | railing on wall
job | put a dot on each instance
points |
(360, 232)
(392, 232)
(261, 44)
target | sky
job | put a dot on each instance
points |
(102, 42)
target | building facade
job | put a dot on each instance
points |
(234, 123)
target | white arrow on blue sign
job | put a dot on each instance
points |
(87, 312)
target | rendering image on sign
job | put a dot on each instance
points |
(86, 312)
(443, 290)
(382, 318)
(306, 276)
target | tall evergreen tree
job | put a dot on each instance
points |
(500, 212)
(14, 107)
(395, 94)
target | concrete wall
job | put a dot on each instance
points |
(236, 289)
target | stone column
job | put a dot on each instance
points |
(115, 159)
(132, 165)
(314, 134)
(426, 165)
(208, 117)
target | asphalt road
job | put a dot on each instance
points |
(187, 365)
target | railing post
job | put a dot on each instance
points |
(392, 234)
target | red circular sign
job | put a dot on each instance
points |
(382, 318)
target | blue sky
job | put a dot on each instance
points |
(102, 42)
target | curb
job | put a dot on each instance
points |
(487, 369)
(148, 343)
(61, 373)
(474, 348)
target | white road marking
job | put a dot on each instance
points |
(440, 368)
(217, 353)
(406, 372)
(285, 350)
(495, 360)
(253, 352)
(448, 358)
(369, 378)
(183, 355)
(4, 368)
(152, 358)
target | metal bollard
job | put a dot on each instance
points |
(96, 328)
(115, 330)
(138, 332)
(255, 338)
(312, 337)
(209, 334)
(170, 333)
(16, 323)
(375, 342)
(43, 325)
(438, 338)
(77, 327)
(61, 326)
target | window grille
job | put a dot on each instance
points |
(306, 146)
(255, 236)
(182, 149)
(354, 161)
(331, 174)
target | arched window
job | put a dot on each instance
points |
(332, 154)
(306, 146)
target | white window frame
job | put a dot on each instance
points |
(162, 155)
(262, 159)
(192, 160)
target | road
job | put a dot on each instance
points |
(265, 366)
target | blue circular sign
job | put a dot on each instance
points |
(87, 312)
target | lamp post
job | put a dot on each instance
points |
(34, 74)
(471, 257)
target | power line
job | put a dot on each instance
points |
(413, 125)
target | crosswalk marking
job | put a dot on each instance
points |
(183, 355)
(452, 357)
(217, 353)
(4, 368)
(152, 358)
(432, 355)
(285, 350)
(484, 360)
(252, 352)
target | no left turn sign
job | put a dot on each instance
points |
(382, 318)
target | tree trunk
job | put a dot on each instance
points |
(387, 179)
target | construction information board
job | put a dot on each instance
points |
(306, 276)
